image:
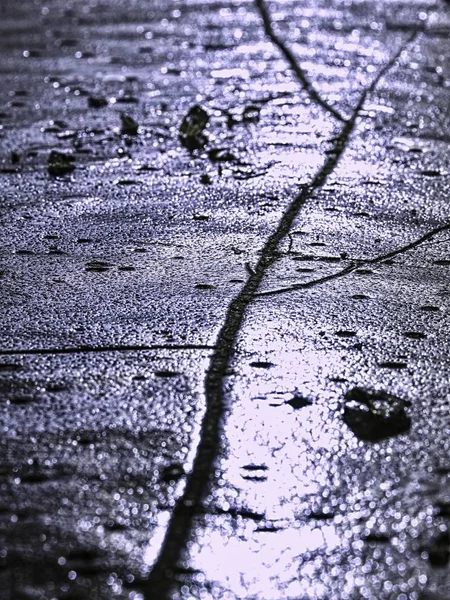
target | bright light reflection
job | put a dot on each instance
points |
(266, 563)
(229, 73)
(286, 446)
(151, 551)
(278, 465)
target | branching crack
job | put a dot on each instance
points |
(293, 63)
(162, 579)
(357, 264)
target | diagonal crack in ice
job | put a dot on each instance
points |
(174, 548)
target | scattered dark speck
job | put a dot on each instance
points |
(166, 374)
(414, 335)
(443, 469)
(97, 266)
(192, 128)
(253, 467)
(172, 473)
(304, 257)
(147, 168)
(443, 509)
(268, 529)
(329, 259)
(245, 514)
(129, 125)
(60, 163)
(439, 551)
(16, 104)
(34, 478)
(127, 182)
(378, 538)
(431, 173)
(10, 367)
(96, 269)
(393, 365)
(299, 402)
(97, 102)
(205, 179)
(22, 400)
(250, 114)
(56, 387)
(442, 261)
(321, 515)
(84, 555)
(345, 334)
(204, 286)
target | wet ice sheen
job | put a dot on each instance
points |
(97, 447)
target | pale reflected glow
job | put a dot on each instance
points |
(259, 47)
(151, 551)
(272, 440)
(264, 563)
(277, 467)
(380, 108)
(294, 163)
(229, 73)
(353, 169)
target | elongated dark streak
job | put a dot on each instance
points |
(161, 582)
(290, 58)
(101, 349)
